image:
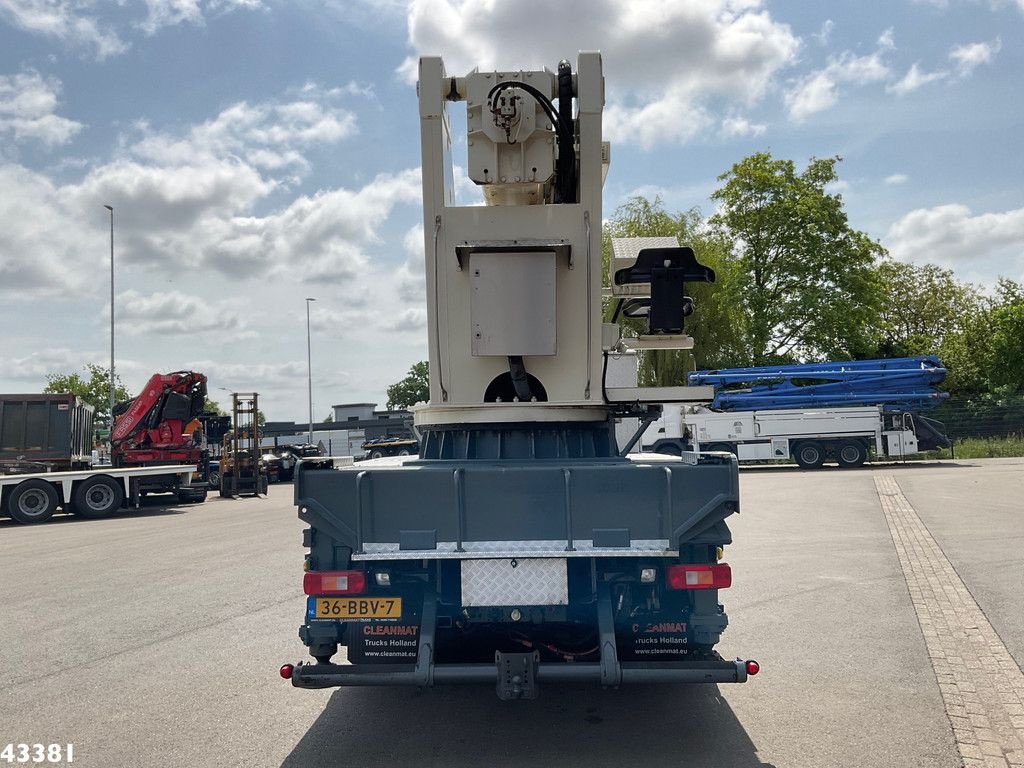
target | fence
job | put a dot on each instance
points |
(981, 417)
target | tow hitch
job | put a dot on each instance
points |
(517, 675)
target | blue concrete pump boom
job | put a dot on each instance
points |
(899, 384)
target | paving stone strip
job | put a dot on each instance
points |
(982, 686)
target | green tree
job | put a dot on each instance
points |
(965, 355)
(984, 353)
(1006, 340)
(329, 418)
(93, 388)
(212, 406)
(414, 388)
(714, 325)
(922, 306)
(806, 284)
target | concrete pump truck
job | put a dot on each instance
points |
(522, 546)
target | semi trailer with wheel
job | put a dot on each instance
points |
(390, 446)
(46, 458)
(843, 412)
(34, 497)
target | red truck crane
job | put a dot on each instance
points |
(155, 428)
(151, 427)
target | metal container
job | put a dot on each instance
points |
(55, 430)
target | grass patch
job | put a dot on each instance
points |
(1010, 446)
(989, 447)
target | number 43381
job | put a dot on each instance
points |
(38, 753)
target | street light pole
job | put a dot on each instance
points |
(111, 209)
(309, 366)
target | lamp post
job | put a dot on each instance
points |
(111, 209)
(309, 366)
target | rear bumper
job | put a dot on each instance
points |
(608, 671)
(625, 673)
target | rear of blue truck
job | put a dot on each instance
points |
(515, 574)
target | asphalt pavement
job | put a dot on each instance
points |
(154, 639)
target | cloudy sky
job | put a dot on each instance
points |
(257, 152)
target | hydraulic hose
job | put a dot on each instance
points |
(517, 370)
(566, 165)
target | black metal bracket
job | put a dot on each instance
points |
(517, 675)
(611, 670)
(647, 416)
(424, 669)
(667, 270)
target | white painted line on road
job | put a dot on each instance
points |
(982, 686)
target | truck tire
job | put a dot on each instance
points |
(851, 453)
(32, 501)
(404, 452)
(721, 448)
(97, 497)
(213, 478)
(376, 453)
(809, 455)
(192, 496)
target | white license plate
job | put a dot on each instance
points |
(515, 581)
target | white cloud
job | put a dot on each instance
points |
(897, 178)
(70, 21)
(411, 276)
(172, 313)
(740, 127)
(37, 365)
(76, 23)
(966, 59)
(199, 217)
(971, 55)
(43, 252)
(721, 52)
(326, 233)
(28, 101)
(819, 90)
(914, 79)
(657, 121)
(823, 35)
(984, 244)
(270, 134)
(166, 13)
(411, 319)
(887, 40)
(189, 201)
(252, 376)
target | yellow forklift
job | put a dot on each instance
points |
(242, 469)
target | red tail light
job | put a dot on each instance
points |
(334, 583)
(753, 667)
(286, 671)
(699, 576)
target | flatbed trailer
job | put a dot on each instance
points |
(97, 492)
